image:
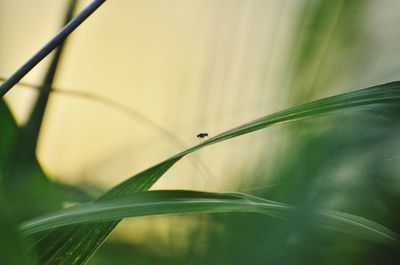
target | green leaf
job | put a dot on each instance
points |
(12, 248)
(373, 99)
(32, 127)
(75, 244)
(181, 201)
(22, 173)
(22, 180)
(9, 130)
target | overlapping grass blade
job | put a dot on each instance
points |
(381, 97)
(24, 176)
(11, 246)
(81, 241)
(180, 201)
(9, 132)
(76, 244)
(32, 127)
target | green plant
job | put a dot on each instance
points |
(72, 235)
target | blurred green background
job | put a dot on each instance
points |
(205, 66)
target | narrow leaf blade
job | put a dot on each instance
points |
(81, 241)
(184, 202)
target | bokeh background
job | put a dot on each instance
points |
(154, 74)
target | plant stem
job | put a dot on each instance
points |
(50, 46)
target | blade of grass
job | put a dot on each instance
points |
(184, 201)
(22, 166)
(12, 248)
(50, 46)
(34, 122)
(9, 130)
(14, 191)
(75, 244)
(23, 181)
(372, 98)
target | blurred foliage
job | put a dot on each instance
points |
(343, 167)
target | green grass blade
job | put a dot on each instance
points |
(12, 248)
(374, 98)
(32, 127)
(75, 244)
(17, 166)
(183, 202)
(22, 173)
(9, 131)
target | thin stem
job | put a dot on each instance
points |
(50, 46)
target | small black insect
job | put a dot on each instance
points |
(202, 135)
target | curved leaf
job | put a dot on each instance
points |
(81, 241)
(170, 202)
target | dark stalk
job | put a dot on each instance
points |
(50, 46)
